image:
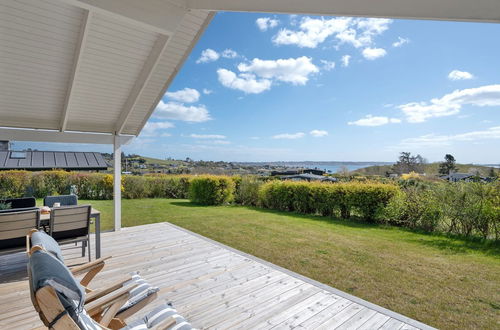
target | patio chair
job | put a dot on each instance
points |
(71, 224)
(13, 229)
(63, 200)
(20, 203)
(60, 300)
(139, 297)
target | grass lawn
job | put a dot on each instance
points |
(444, 282)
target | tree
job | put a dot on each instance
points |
(448, 166)
(408, 163)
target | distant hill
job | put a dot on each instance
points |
(431, 169)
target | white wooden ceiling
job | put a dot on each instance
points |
(103, 65)
(75, 66)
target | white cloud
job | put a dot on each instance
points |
(434, 140)
(345, 60)
(293, 70)
(328, 65)
(370, 120)
(208, 55)
(208, 136)
(318, 133)
(265, 23)
(207, 91)
(358, 32)
(460, 75)
(373, 53)
(187, 95)
(152, 128)
(178, 111)
(289, 136)
(451, 104)
(247, 83)
(229, 53)
(400, 42)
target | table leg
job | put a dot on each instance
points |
(97, 236)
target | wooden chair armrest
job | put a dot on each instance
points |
(99, 305)
(96, 294)
(76, 270)
(165, 324)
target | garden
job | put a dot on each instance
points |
(393, 244)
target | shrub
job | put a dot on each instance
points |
(135, 187)
(211, 190)
(47, 183)
(367, 199)
(247, 190)
(414, 208)
(14, 184)
(92, 185)
(168, 186)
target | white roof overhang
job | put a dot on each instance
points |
(86, 70)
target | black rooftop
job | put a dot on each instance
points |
(46, 160)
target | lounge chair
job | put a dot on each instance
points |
(60, 300)
(71, 224)
(63, 200)
(13, 229)
(140, 296)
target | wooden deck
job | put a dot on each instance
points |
(212, 285)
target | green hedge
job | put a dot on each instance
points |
(95, 186)
(211, 190)
(341, 199)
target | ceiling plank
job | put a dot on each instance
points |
(153, 15)
(80, 46)
(146, 72)
(448, 10)
(38, 135)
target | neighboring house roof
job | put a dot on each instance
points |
(308, 176)
(459, 176)
(45, 160)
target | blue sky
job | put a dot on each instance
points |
(278, 87)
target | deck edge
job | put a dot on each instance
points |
(306, 279)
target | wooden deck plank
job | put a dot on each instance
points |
(212, 285)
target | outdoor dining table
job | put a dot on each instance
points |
(94, 214)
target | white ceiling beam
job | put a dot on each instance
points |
(450, 10)
(37, 135)
(80, 46)
(153, 15)
(141, 81)
(202, 29)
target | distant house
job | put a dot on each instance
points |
(315, 171)
(308, 177)
(286, 172)
(47, 160)
(466, 177)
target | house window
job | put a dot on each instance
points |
(18, 155)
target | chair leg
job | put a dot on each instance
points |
(83, 248)
(88, 244)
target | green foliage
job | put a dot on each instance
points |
(14, 184)
(341, 199)
(211, 190)
(5, 206)
(464, 208)
(168, 186)
(247, 190)
(448, 166)
(135, 187)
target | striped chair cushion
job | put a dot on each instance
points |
(158, 315)
(142, 291)
(48, 243)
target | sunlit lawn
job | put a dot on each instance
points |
(440, 281)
